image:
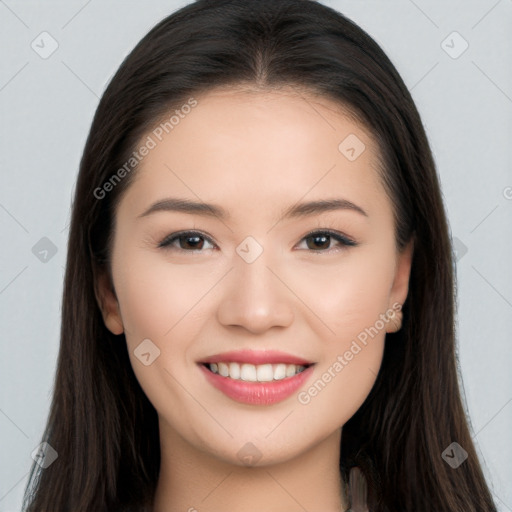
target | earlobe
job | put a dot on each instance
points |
(400, 286)
(395, 321)
(107, 302)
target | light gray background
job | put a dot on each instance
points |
(47, 106)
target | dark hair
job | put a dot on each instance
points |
(101, 423)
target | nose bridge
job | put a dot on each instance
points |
(252, 266)
(252, 263)
(255, 298)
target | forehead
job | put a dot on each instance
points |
(253, 150)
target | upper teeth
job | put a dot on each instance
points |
(256, 373)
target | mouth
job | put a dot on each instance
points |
(256, 365)
(255, 373)
(256, 377)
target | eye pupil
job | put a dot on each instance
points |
(191, 237)
(324, 240)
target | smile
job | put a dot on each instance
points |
(256, 373)
(256, 377)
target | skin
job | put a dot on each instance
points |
(255, 154)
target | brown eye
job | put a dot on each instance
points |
(187, 241)
(193, 241)
(320, 241)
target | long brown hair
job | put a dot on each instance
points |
(101, 424)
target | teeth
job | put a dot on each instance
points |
(290, 370)
(223, 369)
(248, 372)
(265, 373)
(256, 373)
(280, 372)
(234, 370)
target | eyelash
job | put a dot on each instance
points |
(342, 239)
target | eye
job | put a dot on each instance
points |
(322, 239)
(194, 241)
(188, 241)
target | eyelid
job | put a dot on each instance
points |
(165, 243)
(342, 239)
(335, 234)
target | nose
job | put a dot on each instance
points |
(255, 297)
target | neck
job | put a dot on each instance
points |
(192, 480)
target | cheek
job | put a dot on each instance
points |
(157, 296)
(157, 301)
(343, 383)
(349, 299)
(167, 304)
(348, 294)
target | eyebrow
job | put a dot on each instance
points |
(310, 208)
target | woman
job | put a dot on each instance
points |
(211, 358)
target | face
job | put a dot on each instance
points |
(255, 273)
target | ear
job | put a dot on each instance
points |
(400, 286)
(107, 301)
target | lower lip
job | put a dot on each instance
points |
(257, 393)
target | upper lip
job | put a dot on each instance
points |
(256, 357)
